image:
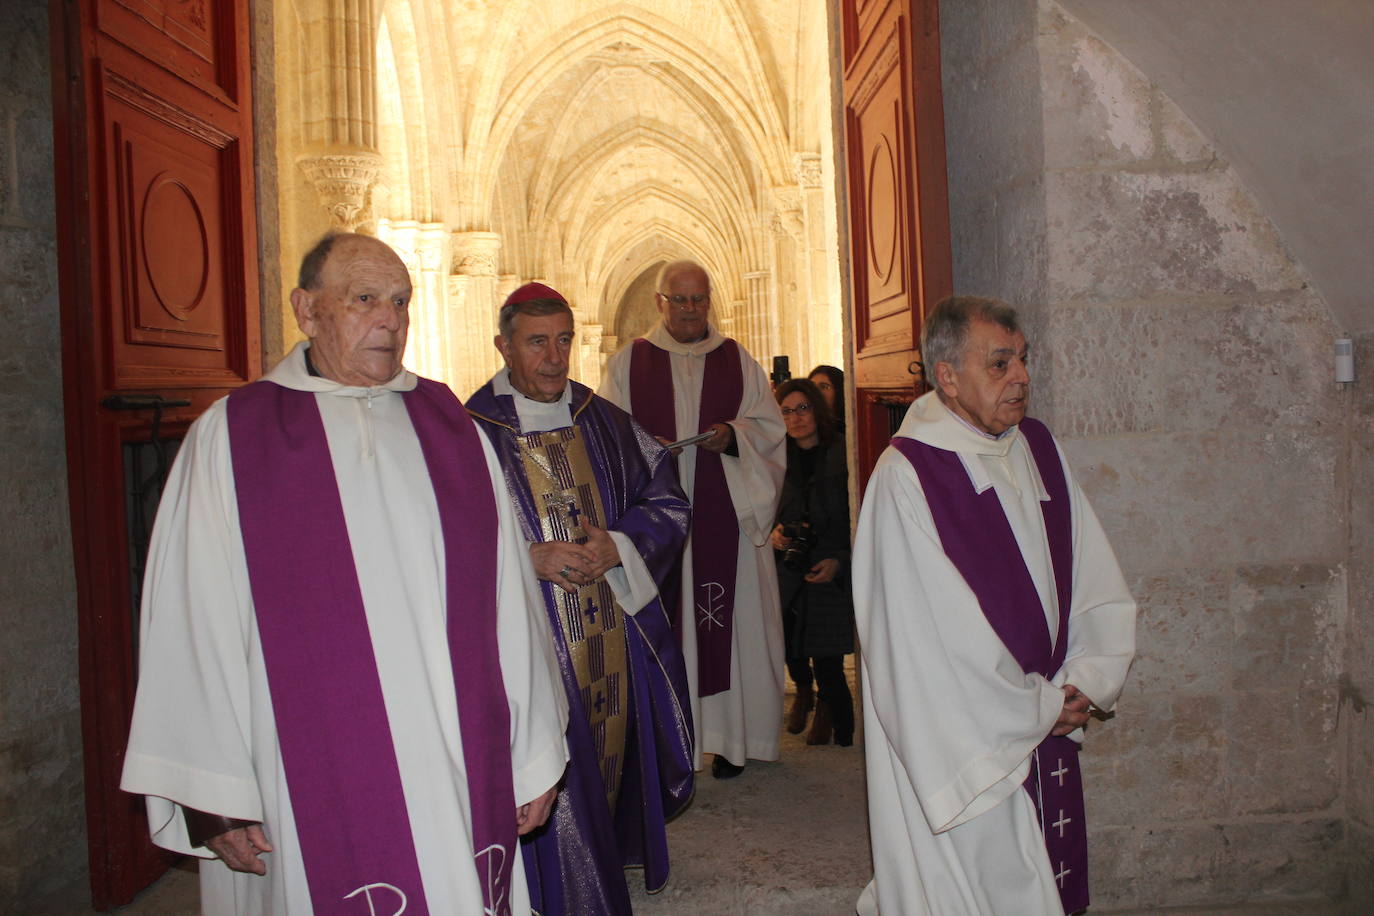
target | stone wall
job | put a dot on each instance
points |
(42, 816)
(1185, 364)
(1357, 699)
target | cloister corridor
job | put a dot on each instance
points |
(582, 145)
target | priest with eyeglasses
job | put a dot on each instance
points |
(688, 383)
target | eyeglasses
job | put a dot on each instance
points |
(680, 300)
(802, 409)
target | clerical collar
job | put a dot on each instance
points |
(973, 429)
(690, 343)
(659, 337)
(535, 416)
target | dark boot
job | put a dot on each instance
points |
(844, 724)
(820, 726)
(724, 769)
(802, 704)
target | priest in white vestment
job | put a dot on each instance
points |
(224, 776)
(993, 617)
(682, 379)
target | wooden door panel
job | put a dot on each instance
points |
(192, 38)
(157, 256)
(882, 214)
(899, 214)
(176, 280)
(856, 21)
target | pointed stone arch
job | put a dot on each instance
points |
(558, 175)
(752, 127)
(702, 239)
(583, 212)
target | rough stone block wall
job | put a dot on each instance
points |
(1357, 687)
(1184, 363)
(42, 838)
(994, 143)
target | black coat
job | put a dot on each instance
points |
(824, 625)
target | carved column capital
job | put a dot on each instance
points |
(808, 170)
(430, 246)
(475, 253)
(343, 181)
(786, 218)
(787, 224)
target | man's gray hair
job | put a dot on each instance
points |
(673, 267)
(946, 328)
(312, 265)
(534, 308)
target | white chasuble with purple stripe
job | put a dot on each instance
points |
(715, 525)
(979, 541)
(336, 741)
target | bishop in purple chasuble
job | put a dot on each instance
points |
(630, 733)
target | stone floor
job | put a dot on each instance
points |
(782, 839)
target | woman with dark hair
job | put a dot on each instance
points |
(830, 382)
(811, 546)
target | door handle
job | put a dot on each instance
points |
(141, 402)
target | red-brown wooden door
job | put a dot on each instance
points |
(158, 262)
(898, 203)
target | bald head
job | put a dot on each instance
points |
(353, 304)
(683, 294)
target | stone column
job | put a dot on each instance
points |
(756, 327)
(824, 325)
(474, 301)
(731, 323)
(794, 316)
(341, 158)
(422, 246)
(589, 337)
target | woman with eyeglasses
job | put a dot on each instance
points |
(811, 547)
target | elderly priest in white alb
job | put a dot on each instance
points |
(345, 693)
(992, 616)
(681, 379)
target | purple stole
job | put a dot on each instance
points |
(978, 540)
(336, 741)
(715, 527)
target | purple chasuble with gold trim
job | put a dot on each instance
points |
(715, 526)
(604, 470)
(336, 742)
(979, 541)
